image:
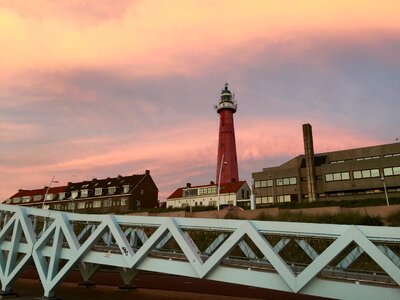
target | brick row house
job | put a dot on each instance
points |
(121, 194)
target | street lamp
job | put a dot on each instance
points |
(47, 190)
(384, 187)
(219, 178)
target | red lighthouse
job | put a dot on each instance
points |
(227, 166)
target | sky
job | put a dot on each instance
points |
(100, 88)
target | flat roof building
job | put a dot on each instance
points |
(353, 174)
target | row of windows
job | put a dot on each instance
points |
(208, 190)
(367, 173)
(92, 204)
(337, 176)
(364, 158)
(270, 199)
(391, 171)
(278, 182)
(74, 194)
(265, 200)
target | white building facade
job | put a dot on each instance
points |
(231, 194)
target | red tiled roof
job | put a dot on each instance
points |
(52, 190)
(226, 188)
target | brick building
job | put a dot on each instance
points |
(119, 194)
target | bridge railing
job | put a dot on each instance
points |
(338, 261)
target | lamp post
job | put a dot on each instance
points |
(47, 190)
(384, 187)
(219, 178)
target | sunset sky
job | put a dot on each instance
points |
(101, 88)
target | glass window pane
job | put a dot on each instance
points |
(286, 181)
(345, 176)
(375, 173)
(336, 176)
(366, 173)
(357, 174)
(328, 177)
(388, 171)
(269, 182)
(257, 184)
(279, 181)
(396, 171)
(293, 180)
(263, 183)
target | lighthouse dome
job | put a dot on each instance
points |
(226, 94)
(226, 101)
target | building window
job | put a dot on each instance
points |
(71, 205)
(107, 203)
(81, 205)
(37, 197)
(283, 198)
(84, 193)
(74, 194)
(26, 199)
(391, 171)
(16, 200)
(124, 201)
(126, 189)
(263, 183)
(286, 181)
(265, 200)
(366, 173)
(98, 191)
(61, 196)
(111, 190)
(137, 202)
(97, 203)
(337, 176)
(186, 192)
(49, 197)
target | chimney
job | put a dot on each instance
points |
(147, 172)
(212, 182)
(310, 165)
(188, 185)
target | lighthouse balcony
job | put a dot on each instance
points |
(227, 105)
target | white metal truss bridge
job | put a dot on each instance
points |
(333, 261)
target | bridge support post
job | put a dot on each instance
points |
(87, 271)
(128, 275)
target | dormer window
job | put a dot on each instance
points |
(98, 191)
(26, 199)
(16, 200)
(37, 197)
(111, 190)
(74, 194)
(84, 193)
(49, 197)
(126, 189)
(61, 196)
